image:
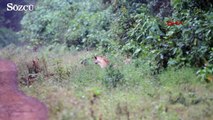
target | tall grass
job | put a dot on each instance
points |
(78, 91)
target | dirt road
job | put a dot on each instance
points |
(14, 104)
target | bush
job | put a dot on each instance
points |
(113, 77)
(76, 23)
(7, 36)
(147, 36)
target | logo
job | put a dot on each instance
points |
(16, 7)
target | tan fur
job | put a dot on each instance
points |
(101, 61)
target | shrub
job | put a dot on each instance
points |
(7, 36)
(76, 23)
(147, 36)
(113, 77)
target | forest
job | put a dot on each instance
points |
(113, 59)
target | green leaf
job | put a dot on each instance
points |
(199, 30)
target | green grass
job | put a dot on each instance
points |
(172, 77)
(77, 92)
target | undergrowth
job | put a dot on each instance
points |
(79, 91)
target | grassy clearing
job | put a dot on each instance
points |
(79, 92)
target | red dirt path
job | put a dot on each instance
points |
(14, 104)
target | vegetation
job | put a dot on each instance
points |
(81, 91)
(7, 37)
(126, 27)
(168, 75)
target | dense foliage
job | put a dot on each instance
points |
(187, 44)
(136, 28)
(157, 55)
(79, 23)
(7, 37)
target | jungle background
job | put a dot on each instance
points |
(158, 71)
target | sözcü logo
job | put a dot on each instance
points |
(17, 7)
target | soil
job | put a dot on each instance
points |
(14, 104)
